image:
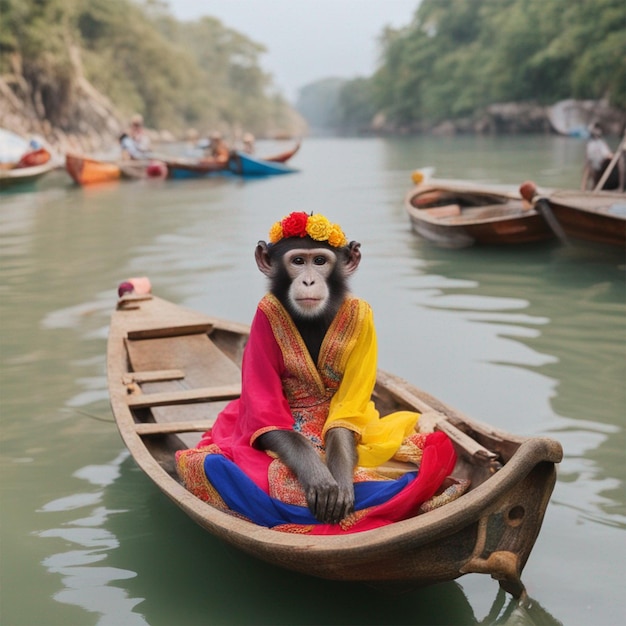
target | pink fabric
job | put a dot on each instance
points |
(437, 463)
(261, 408)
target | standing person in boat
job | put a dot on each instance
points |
(301, 449)
(134, 142)
(598, 157)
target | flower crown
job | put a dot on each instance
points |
(299, 224)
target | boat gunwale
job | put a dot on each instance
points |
(24, 174)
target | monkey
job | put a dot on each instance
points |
(304, 434)
(309, 278)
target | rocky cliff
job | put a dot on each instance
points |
(69, 114)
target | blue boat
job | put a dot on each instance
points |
(239, 164)
(243, 164)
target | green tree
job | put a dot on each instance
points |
(458, 56)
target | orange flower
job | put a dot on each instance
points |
(276, 232)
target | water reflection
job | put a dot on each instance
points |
(131, 548)
(573, 331)
(85, 576)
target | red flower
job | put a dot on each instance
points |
(294, 225)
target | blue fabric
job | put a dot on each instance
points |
(242, 495)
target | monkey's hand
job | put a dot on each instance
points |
(341, 458)
(327, 499)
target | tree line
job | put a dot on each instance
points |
(178, 75)
(457, 57)
(452, 60)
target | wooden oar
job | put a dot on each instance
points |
(528, 191)
(611, 165)
(433, 418)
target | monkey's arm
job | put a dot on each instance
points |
(341, 459)
(329, 501)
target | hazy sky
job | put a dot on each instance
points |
(307, 39)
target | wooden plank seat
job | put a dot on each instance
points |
(169, 428)
(184, 396)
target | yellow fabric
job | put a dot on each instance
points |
(351, 406)
(336, 391)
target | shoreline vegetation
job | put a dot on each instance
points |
(74, 73)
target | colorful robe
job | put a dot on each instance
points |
(282, 389)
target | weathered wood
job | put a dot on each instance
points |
(432, 419)
(184, 396)
(158, 428)
(154, 376)
(598, 216)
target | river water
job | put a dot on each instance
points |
(531, 340)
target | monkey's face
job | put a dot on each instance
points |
(309, 270)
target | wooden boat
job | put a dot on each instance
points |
(87, 171)
(239, 164)
(572, 117)
(457, 214)
(171, 370)
(598, 216)
(24, 175)
(243, 164)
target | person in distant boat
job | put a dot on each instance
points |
(135, 142)
(301, 449)
(248, 143)
(218, 148)
(598, 157)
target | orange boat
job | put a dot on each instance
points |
(86, 171)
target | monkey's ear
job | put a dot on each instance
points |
(262, 257)
(354, 257)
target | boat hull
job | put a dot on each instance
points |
(85, 171)
(243, 164)
(239, 164)
(595, 216)
(457, 214)
(161, 359)
(20, 176)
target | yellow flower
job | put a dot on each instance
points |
(276, 232)
(336, 238)
(318, 227)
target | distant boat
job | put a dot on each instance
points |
(24, 175)
(238, 164)
(574, 117)
(598, 216)
(22, 161)
(85, 170)
(458, 214)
